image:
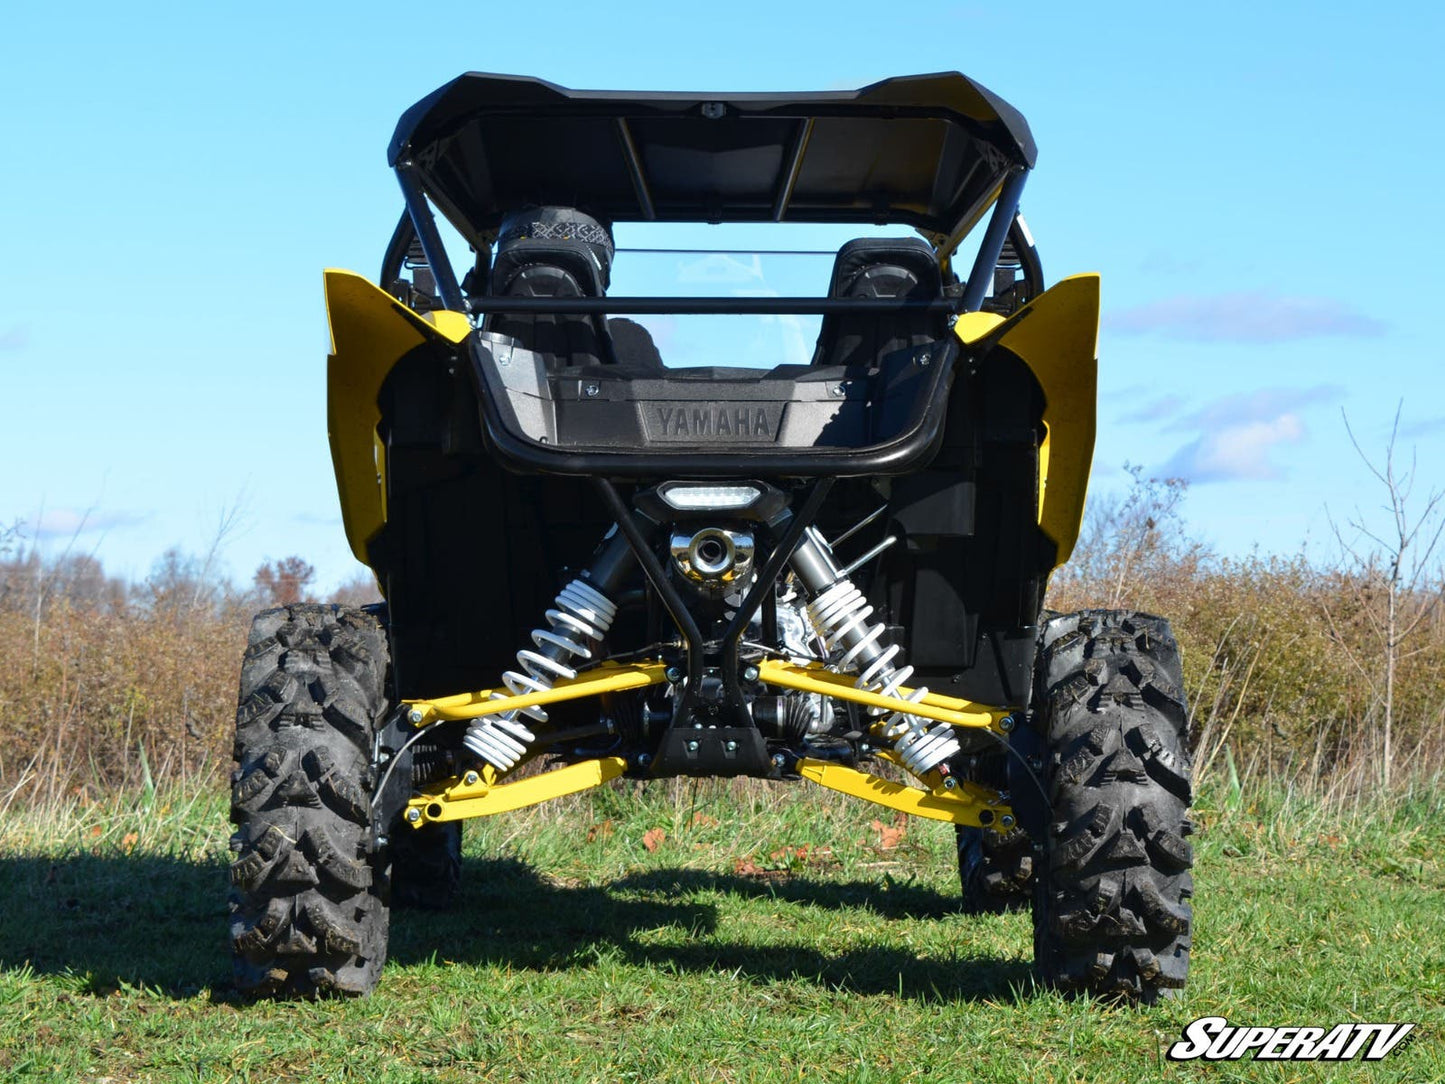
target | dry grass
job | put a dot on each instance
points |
(112, 693)
(1283, 662)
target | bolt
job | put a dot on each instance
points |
(673, 674)
(1036, 763)
(692, 747)
(750, 673)
(470, 779)
(591, 390)
(413, 815)
(416, 715)
(950, 783)
(1007, 723)
(839, 390)
(779, 760)
(644, 759)
(731, 747)
(1006, 820)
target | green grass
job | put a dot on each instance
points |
(723, 954)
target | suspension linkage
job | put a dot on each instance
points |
(604, 678)
(814, 678)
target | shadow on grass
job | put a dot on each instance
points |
(510, 916)
(159, 923)
(113, 920)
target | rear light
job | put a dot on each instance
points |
(690, 497)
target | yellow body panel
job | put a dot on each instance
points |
(965, 803)
(1057, 337)
(370, 332)
(481, 798)
(973, 326)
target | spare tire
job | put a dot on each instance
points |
(560, 224)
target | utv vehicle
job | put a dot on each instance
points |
(596, 565)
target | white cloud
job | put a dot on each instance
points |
(1234, 452)
(1260, 405)
(68, 522)
(1157, 410)
(1252, 316)
(1237, 435)
(718, 267)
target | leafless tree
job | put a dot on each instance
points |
(285, 581)
(1396, 577)
(1125, 536)
(360, 590)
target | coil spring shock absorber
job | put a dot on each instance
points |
(579, 620)
(839, 613)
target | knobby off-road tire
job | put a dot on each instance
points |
(996, 869)
(1111, 904)
(309, 899)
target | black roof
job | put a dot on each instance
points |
(926, 150)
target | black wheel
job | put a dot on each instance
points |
(1111, 907)
(996, 869)
(426, 865)
(309, 899)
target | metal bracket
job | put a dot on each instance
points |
(712, 751)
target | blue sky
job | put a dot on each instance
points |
(1259, 185)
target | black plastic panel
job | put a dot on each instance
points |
(472, 552)
(797, 421)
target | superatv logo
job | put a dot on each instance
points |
(703, 422)
(1214, 1038)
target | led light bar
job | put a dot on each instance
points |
(687, 497)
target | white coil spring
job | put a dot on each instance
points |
(839, 615)
(582, 614)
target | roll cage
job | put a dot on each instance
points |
(932, 152)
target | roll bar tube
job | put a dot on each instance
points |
(431, 241)
(1004, 211)
(980, 278)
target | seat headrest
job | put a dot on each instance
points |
(886, 267)
(545, 269)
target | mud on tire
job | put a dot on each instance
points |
(1111, 906)
(309, 895)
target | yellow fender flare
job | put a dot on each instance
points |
(1057, 336)
(370, 332)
